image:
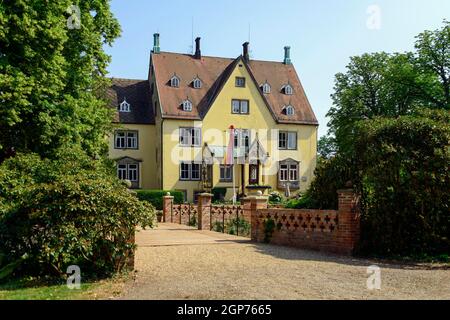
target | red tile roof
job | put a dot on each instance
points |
(214, 72)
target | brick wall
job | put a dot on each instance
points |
(334, 231)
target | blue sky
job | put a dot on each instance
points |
(323, 34)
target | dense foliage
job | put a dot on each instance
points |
(389, 136)
(70, 211)
(51, 76)
(155, 197)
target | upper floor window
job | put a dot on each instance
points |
(289, 110)
(266, 88)
(240, 106)
(126, 140)
(187, 105)
(288, 89)
(287, 140)
(197, 83)
(190, 137)
(175, 81)
(242, 139)
(124, 106)
(240, 82)
(190, 171)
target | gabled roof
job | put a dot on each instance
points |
(214, 73)
(137, 94)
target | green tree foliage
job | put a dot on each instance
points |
(155, 197)
(51, 77)
(326, 147)
(404, 184)
(69, 211)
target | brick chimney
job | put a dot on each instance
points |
(245, 52)
(156, 48)
(198, 53)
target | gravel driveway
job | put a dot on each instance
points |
(178, 262)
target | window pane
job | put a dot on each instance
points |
(196, 139)
(244, 106)
(283, 172)
(282, 144)
(235, 106)
(293, 172)
(131, 140)
(195, 173)
(184, 171)
(292, 140)
(133, 172)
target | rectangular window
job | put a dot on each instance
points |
(190, 137)
(122, 171)
(133, 172)
(226, 173)
(284, 172)
(293, 172)
(240, 82)
(242, 139)
(190, 171)
(240, 106)
(126, 140)
(287, 140)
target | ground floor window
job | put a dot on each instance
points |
(226, 173)
(190, 171)
(288, 173)
(127, 170)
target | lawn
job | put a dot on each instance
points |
(29, 289)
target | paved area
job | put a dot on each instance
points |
(178, 262)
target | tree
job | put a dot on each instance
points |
(326, 147)
(433, 61)
(52, 76)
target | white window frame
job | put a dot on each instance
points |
(190, 137)
(234, 104)
(288, 90)
(124, 139)
(237, 82)
(128, 171)
(289, 110)
(175, 82)
(289, 172)
(284, 172)
(122, 172)
(226, 173)
(187, 105)
(190, 171)
(293, 172)
(197, 83)
(290, 140)
(266, 88)
(124, 106)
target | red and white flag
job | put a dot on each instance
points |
(229, 156)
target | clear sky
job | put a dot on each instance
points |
(323, 34)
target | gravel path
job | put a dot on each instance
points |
(178, 262)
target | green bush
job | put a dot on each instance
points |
(70, 211)
(275, 197)
(218, 194)
(155, 197)
(304, 202)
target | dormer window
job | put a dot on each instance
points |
(288, 89)
(124, 106)
(266, 88)
(175, 82)
(289, 110)
(187, 105)
(197, 83)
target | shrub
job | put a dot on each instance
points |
(219, 194)
(239, 227)
(275, 197)
(70, 211)
(304, 202)
(155, 197)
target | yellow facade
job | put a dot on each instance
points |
(214, 129)
(144, 154)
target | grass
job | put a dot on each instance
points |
(35, 289)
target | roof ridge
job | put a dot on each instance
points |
(127, 79)
(217, 57)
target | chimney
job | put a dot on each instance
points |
(246, 55)
(156, 48)
(198, 53)
(287, 55)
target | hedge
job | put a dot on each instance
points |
(155, 197)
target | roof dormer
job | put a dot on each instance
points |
(287, 89)
(196, 83)
(186, 105)
(124, 106)
(289, 110)
(266, 87)
(175, 81)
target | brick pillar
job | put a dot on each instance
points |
(349, 220)
(204, 211)
(167, 207)
(251, 205)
